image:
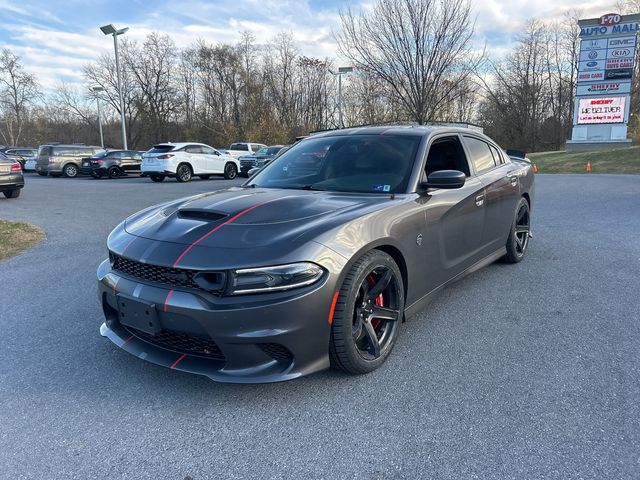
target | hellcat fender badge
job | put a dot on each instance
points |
(419, 239)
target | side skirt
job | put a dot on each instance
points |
(420, 304)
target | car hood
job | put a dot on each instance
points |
(250, 217)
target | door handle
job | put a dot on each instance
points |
(479, 200)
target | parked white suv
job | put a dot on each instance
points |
(244, 148)
(184, 160)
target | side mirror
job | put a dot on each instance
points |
(448, 179)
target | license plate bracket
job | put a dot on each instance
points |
(138, 314)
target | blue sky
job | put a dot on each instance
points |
(56, 37)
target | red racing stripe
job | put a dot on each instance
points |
(232, 219)
(166, 300)
(180, 358)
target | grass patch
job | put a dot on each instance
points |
(621, 160)
(16, 237)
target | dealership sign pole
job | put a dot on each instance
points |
(608, 53)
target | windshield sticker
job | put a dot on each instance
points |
(381, 188)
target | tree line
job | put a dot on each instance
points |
(414, 61)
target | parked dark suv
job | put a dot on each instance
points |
(56, 160)
(11, 179)
(113, 163)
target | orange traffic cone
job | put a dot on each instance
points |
(535, 169)
(588, 167)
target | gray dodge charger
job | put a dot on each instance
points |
(315, 260)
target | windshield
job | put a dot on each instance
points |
(354, 163)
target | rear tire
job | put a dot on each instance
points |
(70, 170)
(366, 324)
(114, 172)
(184, 172)
(15, 193)
(518, 240)
(157, 178)
(230, 171)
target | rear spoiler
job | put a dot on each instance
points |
(517, 155)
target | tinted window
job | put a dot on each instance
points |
(354, 163)
(45, 151)
(161, 148)
(239, 146)
(193, 149)
(480, 153)
(207, 150)
(272, 150)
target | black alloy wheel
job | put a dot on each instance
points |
(183, 173)
(368, 314)
(520, 233)
(70, 170)
(230, 171)
(114, 172)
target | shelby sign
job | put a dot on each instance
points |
(606, 65)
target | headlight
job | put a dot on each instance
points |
(271, 279)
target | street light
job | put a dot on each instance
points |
(97, 89)
(341, 71)
(111, 30)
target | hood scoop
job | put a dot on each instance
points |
(201, 214)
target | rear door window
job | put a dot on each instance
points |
(480, 153)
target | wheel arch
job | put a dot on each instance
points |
(526, 196)
(387, 246)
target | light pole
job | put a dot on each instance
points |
(111, 30)
(341, 71)
(96, 89)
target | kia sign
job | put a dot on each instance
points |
(601, 110)
(603, 88)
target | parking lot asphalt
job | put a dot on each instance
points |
(518, 371)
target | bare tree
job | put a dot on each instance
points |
(420, 48)
(152, 66)
(18, 91)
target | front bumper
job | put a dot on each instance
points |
(244, 339)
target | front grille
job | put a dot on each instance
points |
(247, 163)
(181, 343)
(276, 351)
(175, 277)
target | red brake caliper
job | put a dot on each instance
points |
(379, 301)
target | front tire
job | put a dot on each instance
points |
(156, 178)
(519, 234)
(15, 193)
(230, 171)
(368, 313)
(70, 170)
(183, 173)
